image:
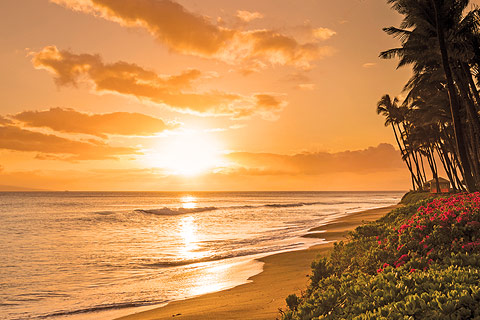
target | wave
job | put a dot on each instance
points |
(103, 307)
(179, 263)
(302, 204)
(289, 205)
(166, 211)
(105, 213)
(174, 211)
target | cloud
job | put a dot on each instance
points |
(268, 105)
(71, 121)
(323, 33)
(194, 34)
(351, 170)
(369, 65)
(4, 121)
(20, 139)
(306, 32)
(298, 77)
(248, 16)
(130, 79)
(373, 159)
(306, 86)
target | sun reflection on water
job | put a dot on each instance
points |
(188, 232)
(212, 280)
(188, 202)
(191, 249)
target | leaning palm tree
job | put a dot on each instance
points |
(390, 110)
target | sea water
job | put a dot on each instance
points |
(97, 255)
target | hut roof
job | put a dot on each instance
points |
(440, 180)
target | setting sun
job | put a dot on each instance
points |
(188, 154)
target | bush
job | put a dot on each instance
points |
(420, 261)
(413, 197)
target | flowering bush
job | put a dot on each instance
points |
(419, 261)
(436, 229)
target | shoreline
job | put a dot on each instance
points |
(260, 298)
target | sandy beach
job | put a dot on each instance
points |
(283, 274)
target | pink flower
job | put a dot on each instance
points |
(403, 256)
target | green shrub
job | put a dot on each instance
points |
(292, 302)
(413, 197)
(420, 261)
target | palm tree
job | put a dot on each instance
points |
(389, 108)
(439, 8)
(430, 31)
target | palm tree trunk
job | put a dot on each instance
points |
(446, 164)
(454, 107)
(433, 168)
(467, 98)
(432, 152)
(423, 169)
(411, 153)
(473, 87)
(409, 166)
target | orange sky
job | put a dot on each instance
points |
(197, 95)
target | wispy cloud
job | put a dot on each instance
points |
(20, 139)
(306, 86)
(248, 16)
(369, 65)
(195, 34)
(323, 33)
(129, 79)
(71, 121)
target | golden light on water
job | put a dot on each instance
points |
(188, 202)
(190, 249)
(213, 279)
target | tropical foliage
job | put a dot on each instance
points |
(438, 121)
(421, 261)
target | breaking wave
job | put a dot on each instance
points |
(174, 211)
(165, 211)
(243, 253)
(103, 307)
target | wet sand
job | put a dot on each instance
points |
(283, 274)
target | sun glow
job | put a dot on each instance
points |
(187, 154)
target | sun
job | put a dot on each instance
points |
(187, 154)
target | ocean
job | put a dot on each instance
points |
(100, 255)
